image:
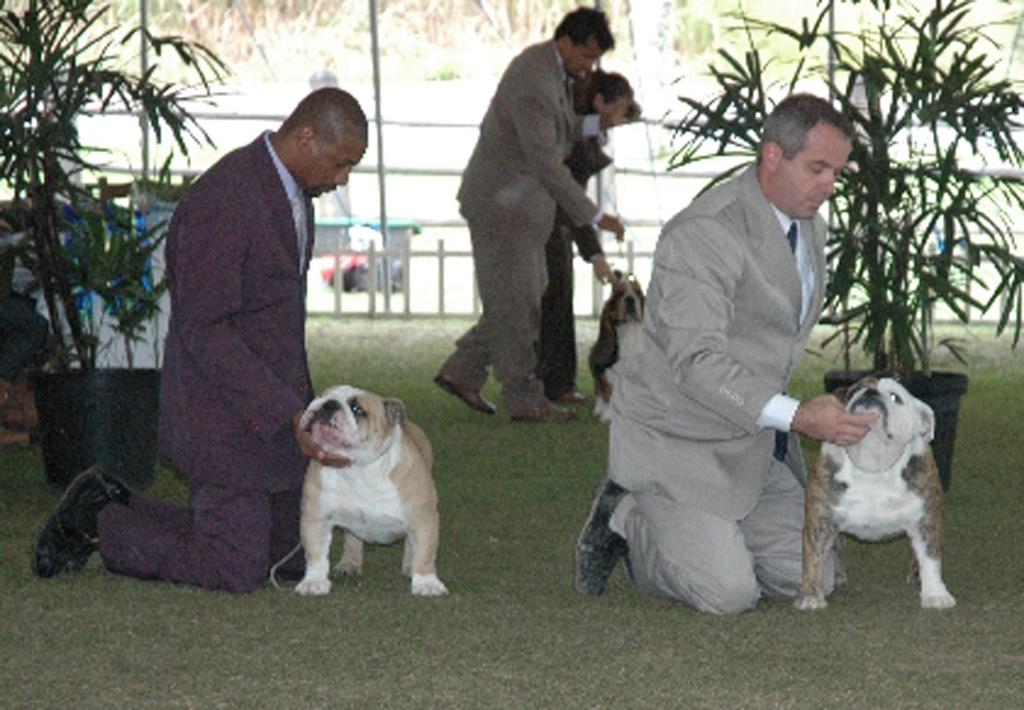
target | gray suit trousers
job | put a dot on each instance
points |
(511, 273)
(717, 565)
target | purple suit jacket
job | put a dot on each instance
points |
(235, 369)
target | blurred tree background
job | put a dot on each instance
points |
(267, 41)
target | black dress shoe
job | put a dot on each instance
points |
(57, 552)
(472, 398)
(69, 535)
(598, 548)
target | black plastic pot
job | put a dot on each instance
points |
(941, 391)
(107, 417)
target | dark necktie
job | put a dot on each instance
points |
(781, 445)
(781, 437)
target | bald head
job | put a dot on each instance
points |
(329, 112)
(323, 139)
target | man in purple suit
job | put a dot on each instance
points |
(235, 377)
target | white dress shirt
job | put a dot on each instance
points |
(778, 412)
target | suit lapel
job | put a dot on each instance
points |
(815, 231)
(777, 260)
(310, 234)
(556, 86)
(274, 196)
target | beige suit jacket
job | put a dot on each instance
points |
(517, 173)
(721, 336)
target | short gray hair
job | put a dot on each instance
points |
(794, 117)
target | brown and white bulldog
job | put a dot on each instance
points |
(617, 339)
(387, 493)
(885, 485)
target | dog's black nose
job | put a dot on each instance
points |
(325, 413)
(869, 398)
(631, 306)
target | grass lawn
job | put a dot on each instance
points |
(513, 633)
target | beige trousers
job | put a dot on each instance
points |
(511, 273)
(714, 564)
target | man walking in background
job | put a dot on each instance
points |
(515, 178)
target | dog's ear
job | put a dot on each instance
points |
(868, 381)
(847, 391)
(639, 291)
(394, 411)
(926, 420)
(606, 326)
(844, 393)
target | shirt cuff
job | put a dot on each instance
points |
(778, 412)
(591, 125)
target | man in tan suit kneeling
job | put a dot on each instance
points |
(704, 491)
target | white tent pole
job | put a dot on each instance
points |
(144, 62)
(386, 282)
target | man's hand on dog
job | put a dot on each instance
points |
(310, 449)
(825, 418)
(602, 271)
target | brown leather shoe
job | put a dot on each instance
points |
(572, 397)
(18, 405)
(472, 398)
(546, 412)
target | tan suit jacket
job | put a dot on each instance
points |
(721, 337)
(517, 172)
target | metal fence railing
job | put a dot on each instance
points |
(438, 282)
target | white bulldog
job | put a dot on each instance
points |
(885, 485)
(386, 494)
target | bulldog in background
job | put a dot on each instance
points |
(617, 339)
(386, 494)
(885, 485)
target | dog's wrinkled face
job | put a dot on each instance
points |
(626, 304)
(902, 421)
(352, 422)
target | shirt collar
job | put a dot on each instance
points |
(785, 220)
(561, 64)
(291, 187)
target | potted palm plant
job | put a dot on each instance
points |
(919, 221)
(90, 259)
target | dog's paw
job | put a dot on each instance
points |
(313, 587)
(942, 600)
(348, 569)
(428, 585)
(810, 602)
(602, 410)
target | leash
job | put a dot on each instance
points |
(273, 570)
